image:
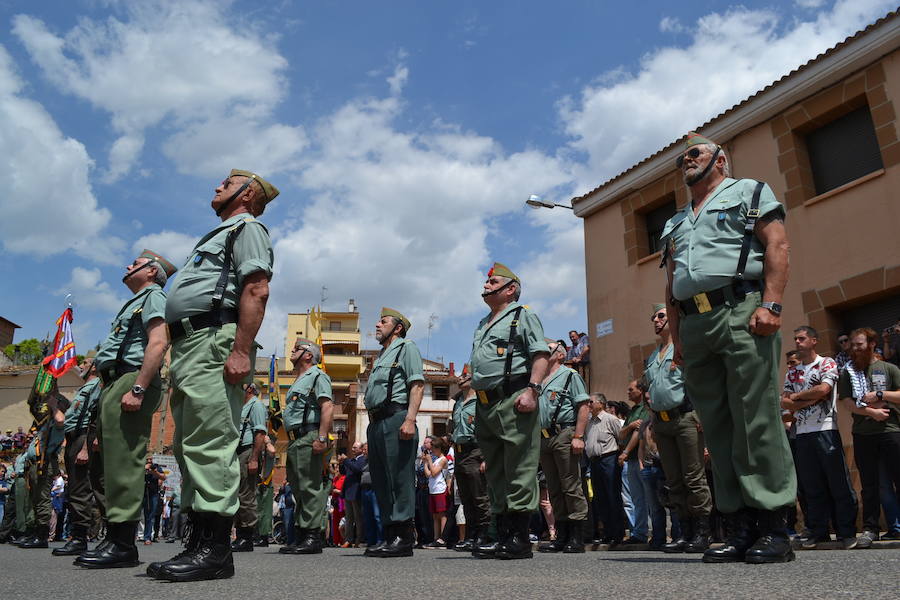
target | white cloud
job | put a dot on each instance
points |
(809, 3)
(671, 25)
(48, 205)
(619, 119)
(89, 290)
(140, 71)
(173, 246)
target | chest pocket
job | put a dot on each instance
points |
(728, 215)
(209, 255)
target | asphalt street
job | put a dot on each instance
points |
(339, 573)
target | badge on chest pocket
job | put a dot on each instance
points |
(501, 348)
(198, 259)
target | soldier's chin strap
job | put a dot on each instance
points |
(133, 271)
(497, 291)
(706, 170)
(225, 204)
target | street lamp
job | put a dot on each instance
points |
(535, 201)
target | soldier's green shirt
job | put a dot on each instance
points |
(52, 442)
(305, 392)
(253, 419)
(19, 464)
(706, 247)
(489, 347)
(406, 354)
(192, 290)
(82, 404)
(564, 389)
(666, 384)
(151, 302)
(464, 420)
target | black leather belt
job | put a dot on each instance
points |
(518, 382)
(244, 447)
(113, 372)
(465, 447)
(213, 318)
(383, 411)
(673, 413)
(706, 301)
(556, 429)
(298, 432)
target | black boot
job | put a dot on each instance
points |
(309, 543)
(119, 550)
(261, 541)
(38, 538)
(211, 559)
(401, 543)
(557, 545)
(485, 546)
(373, 549)
(244, 540)
(76, 546)
(740, 532)
(299, 533)
(466, 545)
(679, 544)
(775, 545)
(699, 542)
(517, 544)
(575, 543)
(191, 541)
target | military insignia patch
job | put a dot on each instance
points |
(501, 351)
(470, 419)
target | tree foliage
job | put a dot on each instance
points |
(26, 352)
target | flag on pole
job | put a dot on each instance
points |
(275, 417)
(62, 357)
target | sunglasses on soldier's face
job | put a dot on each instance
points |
(693, 153)
(659, 315)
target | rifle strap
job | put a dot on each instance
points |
(561, 396)
(510, 345)
(749, 226)
(222, 283)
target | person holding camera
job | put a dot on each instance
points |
(434, 462)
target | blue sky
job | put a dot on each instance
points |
(404, 136)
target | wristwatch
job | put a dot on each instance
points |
(536, 387)
(772, 306)
(138, 390)
(322, 439)
(880, 395)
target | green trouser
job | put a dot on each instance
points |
(264, 510)
(510, 443)
(95, 473)
(472, 489)
(39, 489)
(680, 446)
(731, 377)
(246, 514)
(562, 470)
(306, 473)
(206, 410)
(24, 510)
(78, 486)
(392, 465)
(123, 446)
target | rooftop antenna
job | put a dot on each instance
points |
(431, 321)
(323, 296)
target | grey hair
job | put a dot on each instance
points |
(315, 351)
(160, 278)
(712, 148)
(516, 284)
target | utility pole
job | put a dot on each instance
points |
(323, 296)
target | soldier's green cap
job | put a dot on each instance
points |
(390, 312)
(268, 189)
(503, 271)
(695, 139)
(658, 307)
(303, 342)
(168, 267)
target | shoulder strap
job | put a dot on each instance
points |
(83, 412)
(219, 292)
(306, 403)
(393, 371)
(244, 428)
(560, 403)
(513, 330)
(752, 216)
(131, 325)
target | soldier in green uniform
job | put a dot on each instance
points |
(679, 441)
(78, 488)
(393, 395)
(264, 495)
(307, 418)
(469, 467)
(250, 450)
(128, 363)
(42, 457)
(564, 410)
(509, 362)
(214, 311)
(24, 511)
(727, 264)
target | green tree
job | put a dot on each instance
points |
(26, 352)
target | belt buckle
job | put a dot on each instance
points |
(701, 300)
(188, 327)
(545, 433)
(664, 415)
(482, 396)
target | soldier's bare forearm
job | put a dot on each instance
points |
(252, 309)
(157, 341)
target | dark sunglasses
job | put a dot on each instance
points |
(692, 153)
(659, 315)
(842, 340)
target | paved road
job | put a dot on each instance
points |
(337, 573)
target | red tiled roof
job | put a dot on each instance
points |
(888, 17)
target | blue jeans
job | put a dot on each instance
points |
(627, 505)
(889, 501)
(632, 475)
(151, 501)
(287, 519)
(371, 517)
(652, 479)
(606, 481)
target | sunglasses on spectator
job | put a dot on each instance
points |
(693, 153)
(842, 340)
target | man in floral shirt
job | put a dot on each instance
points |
(809, 394)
